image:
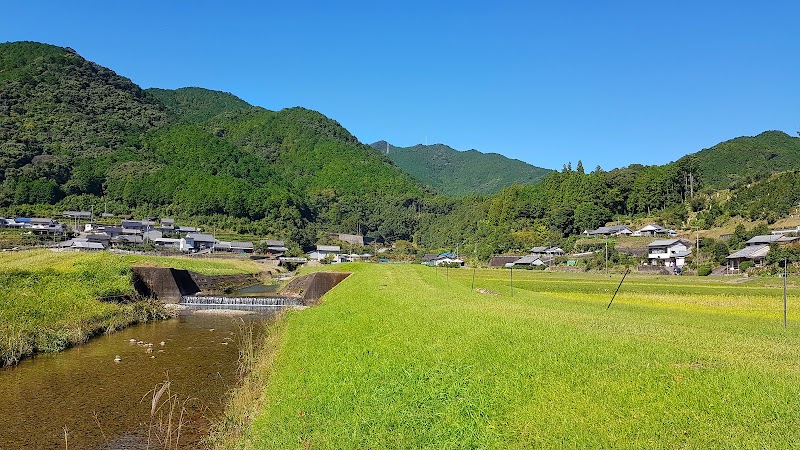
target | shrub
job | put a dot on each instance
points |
(704, 270)
(746, 265)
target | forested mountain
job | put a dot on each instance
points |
(75, 135)
(195, 105)
(744, 159)
(58, 112)
(455, 173)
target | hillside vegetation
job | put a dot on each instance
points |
(456, 173)
(195, 105)
(75, 135)
(744, 159)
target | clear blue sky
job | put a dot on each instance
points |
(610, 83)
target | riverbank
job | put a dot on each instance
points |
(50, 301)
(403, 356)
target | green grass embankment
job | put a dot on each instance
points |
(398, 357)
(50, 301)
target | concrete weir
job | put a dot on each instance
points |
(181, 286)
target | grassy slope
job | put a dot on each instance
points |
(49, 301)
(397, 357)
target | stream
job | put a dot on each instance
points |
(102, 403)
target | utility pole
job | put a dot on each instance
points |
(785, 274)
(512, 281)
(474, 264)
(473, 276)
(697, 241)
(606, 256)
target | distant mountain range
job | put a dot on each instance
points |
(456, 173)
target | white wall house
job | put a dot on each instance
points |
(176, 244)
(668, 252)
(323, 251)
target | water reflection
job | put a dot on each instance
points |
(105, 404)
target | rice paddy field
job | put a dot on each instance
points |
(405, 356)
(50, 301)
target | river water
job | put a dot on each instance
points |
(105, 404)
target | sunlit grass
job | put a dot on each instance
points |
(398, 357)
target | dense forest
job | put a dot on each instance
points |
(454, 173)
(76, 136)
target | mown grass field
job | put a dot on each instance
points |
(398, 357)
(50, 301)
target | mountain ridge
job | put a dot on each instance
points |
(457, 173)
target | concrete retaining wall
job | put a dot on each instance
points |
(167, 285)
(309, 288)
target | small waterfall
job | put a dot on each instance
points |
(239, 302)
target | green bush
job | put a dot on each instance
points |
(746, 265)
(704, 270)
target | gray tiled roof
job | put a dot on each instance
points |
(751, 252)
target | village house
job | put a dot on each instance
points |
(547, 251)
(234, 247)
(654, 230)
(200, 241)
(756, 250)
(770, 239)
(126, 239)
(533, 260)
(502, 260)
(614, 230)
(428, 259)
(275, 248)
(77, 215)
(443, 258)
(354, 239)
(18, 222)
(111, 231)
(86, 245)
(787, 231)
(668, 252)
(152, 235)
(41, 225)
(173, 244)
(755, 253)
(101, 238)
(323, 251)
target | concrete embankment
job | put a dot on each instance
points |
(310, 288)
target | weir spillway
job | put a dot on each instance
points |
(239, 302)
